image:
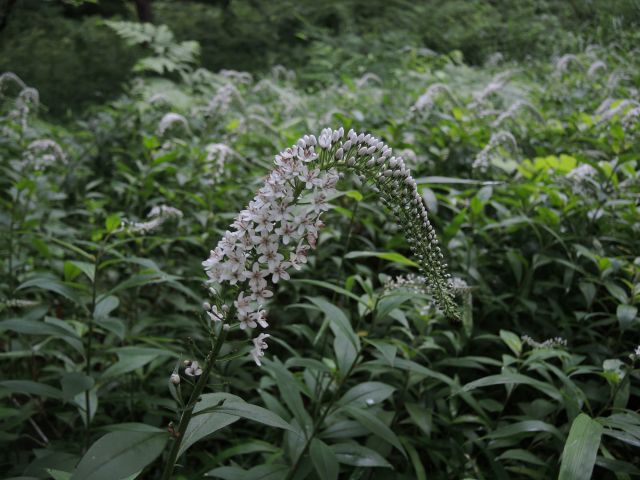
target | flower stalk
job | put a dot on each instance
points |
(187, 413)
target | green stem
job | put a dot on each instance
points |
(87, 396)
(193, 399)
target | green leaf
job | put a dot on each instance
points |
(132, 358)
(58, 474)
(202, 426)
(105, 306)
(89, 269)
(74, 383)
(526, 426)
(509, 378)
(324, 460)
(388, 350)
(52, 284)
(332, 287)
(421, 417)
(366, 394)
(338, 321)
(512, 341)
(118, 455)
(521, 456)
(112, 223)
(32, 388)
(372, 423)
(626, 315)
(581, 449)
(355, 194)
(290, 391)
(390, 256)
(416, 461)
(38, 327)
(250, 412)
(358, 456)
(345, 352)
(617, 291)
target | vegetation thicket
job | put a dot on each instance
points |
(452, 293)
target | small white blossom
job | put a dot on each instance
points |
(193, 370)
(259, 346)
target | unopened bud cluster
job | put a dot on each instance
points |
(275, 232)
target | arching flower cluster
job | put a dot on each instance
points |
(42, 153)
(556, 342)
(157, 217)
(426, 101)
(275, 233)
(502, 138)
(171, 119)
(217, 156)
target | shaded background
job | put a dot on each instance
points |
(64, 50)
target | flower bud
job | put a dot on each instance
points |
(175, 379)
(339, 154)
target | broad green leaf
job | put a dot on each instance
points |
(339, 323)
(132, 358)
(509, 378)
(74, 383)
(416, 461)
(32, 388)
(512, 341)
(202, 426)
(105, 306)
(52, 284)
(626, 315)
(345, 352)
(89, 269)
(358, 456)
(526, 426)
(250, 412)
(38, 327)
(112, 222)
(332, 287)
(118, 455)
(324, 460)
(388, 350)
(372, 423)
(366, 394)
(290, 391)
(421, 417)
(390, 256)
(581, 449)
(521, 456)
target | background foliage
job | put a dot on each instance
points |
(520, 123)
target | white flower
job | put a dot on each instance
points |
(261, 295)
(281, 272)
(261, 317)
(256, 277)
(175, 378)
(193, 370)
(243, 304)
(259, 346)
(246, 321)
